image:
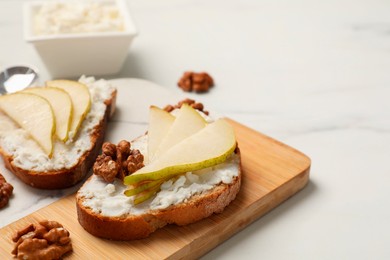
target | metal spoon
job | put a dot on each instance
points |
(16, 78)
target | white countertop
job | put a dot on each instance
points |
(312, 74)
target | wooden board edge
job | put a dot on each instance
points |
(237, 124)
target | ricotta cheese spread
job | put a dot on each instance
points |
(108, 199)
(29, 156)
(77, 17)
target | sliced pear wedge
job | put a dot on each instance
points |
(62, 108)
(146, 194)
(144, 186)
(34, 114)
(160, 121)
(81, 101)
(188, 121)
(210, 146)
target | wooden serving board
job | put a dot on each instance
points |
(272, 172)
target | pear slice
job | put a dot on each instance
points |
(143, 187)
(210, 146)
(146, 194)
(188, 121)
(62, 108)
(160, 121)
(81, 101)
(34, 114)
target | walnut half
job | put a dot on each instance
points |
(5, 191)
(193, 81)
(117, 161)
(45, 240)
(188, 101)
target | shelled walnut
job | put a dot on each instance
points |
(198, 82)
(5, 191)
(44, 240)
(190, 102)
(117, 161)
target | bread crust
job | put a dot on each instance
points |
(132, 227)
(64, 178)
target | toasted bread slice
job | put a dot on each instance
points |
(72, 160)
(104, 211)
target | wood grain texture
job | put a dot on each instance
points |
(272, 172)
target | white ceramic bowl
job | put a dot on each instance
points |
(72, 55)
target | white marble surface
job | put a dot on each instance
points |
(312, 74)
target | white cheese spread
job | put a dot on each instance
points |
(29, 156)
(108, 199)
(77, 17)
